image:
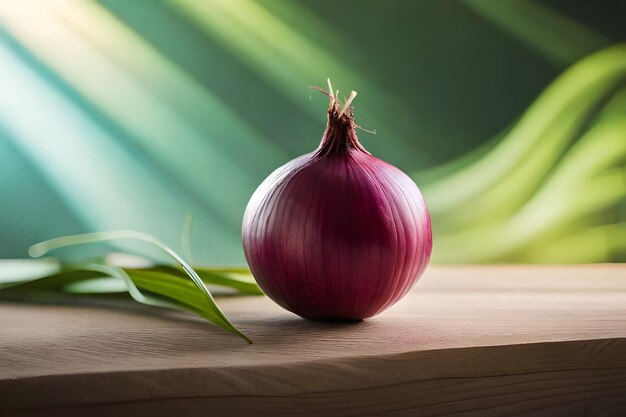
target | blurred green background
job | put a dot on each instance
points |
(510, 115)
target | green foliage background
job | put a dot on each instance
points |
(510, 115)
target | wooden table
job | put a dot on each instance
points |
(484, 341)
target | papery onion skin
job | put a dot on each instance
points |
(337, 234)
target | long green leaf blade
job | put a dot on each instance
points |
(235, 278)
(217, 316)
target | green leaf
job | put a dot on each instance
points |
(208, 308)
(167, 287)
(236, 278)
(171, 286)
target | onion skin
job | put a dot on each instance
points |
(337, 234)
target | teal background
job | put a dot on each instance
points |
(131, 114)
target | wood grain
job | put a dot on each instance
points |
(484, 341)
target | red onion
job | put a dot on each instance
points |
(337, 234)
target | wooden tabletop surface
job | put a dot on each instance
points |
(480, 340)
